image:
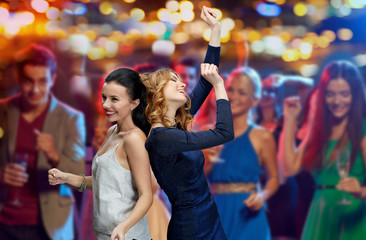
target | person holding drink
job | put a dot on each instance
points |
(334, 152)
(40, 132)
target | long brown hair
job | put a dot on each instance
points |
(157, 106)
(324, 120)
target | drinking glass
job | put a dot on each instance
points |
(22, 160)
(343, 166)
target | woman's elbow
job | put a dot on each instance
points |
(147, 198)
(229, 135)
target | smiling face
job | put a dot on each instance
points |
(240, 92)
(174, 91)
(116, 102)
(338, 97)
(36, 82)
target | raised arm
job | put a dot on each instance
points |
(203, 88)
(138, 160)
(172, 140)
(289, 156)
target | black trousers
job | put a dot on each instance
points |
(10, 232)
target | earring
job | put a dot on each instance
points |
(131, 109)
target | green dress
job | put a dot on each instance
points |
(326, 218)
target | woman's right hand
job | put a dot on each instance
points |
(56, 176)
(211, 73)
(209, 16)
(291, 107)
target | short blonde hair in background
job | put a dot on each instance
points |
(252, 75)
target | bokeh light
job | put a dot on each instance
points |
(187, 15)
(172, 5)
(4, 14)
(53, 13)
(356, 3)
(137, 14)
(40, 6)
(300, 9)
(105, 8)
(180, 37)
(309, 70)
(96, 53)
(163, 47)
(164, 15)
(185, 5)
(176, 18)
(344, 34)
(291, 55)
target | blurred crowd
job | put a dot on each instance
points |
(278, 179)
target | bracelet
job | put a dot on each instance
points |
(83, 184)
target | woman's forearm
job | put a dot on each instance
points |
(76, 181)
(287, 154)
(139, 211)
(220, 91)
(215, 36)
(270, 188)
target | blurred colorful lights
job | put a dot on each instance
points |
(268, 10)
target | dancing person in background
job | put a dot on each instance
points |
(304, 179)
(121, 180)
(267, 115)
(47, 133)
(281, 207)
(234, 179)
(187, 69)
(338, 127)
(175, 155)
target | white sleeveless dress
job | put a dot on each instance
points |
(114, 195)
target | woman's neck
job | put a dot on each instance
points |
(240, 123)
(338, 128)
(268, 116)
(125, 125)
(170, 115)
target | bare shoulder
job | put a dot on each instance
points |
(262, 134)
(134, 137)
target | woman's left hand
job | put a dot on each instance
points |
(352, 186)
(254, 202)
(210, 17)
(118, 233)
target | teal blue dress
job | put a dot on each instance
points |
(240, 165)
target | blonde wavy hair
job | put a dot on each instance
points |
(157, 106)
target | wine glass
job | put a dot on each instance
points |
(22, 160)
(343, 166)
